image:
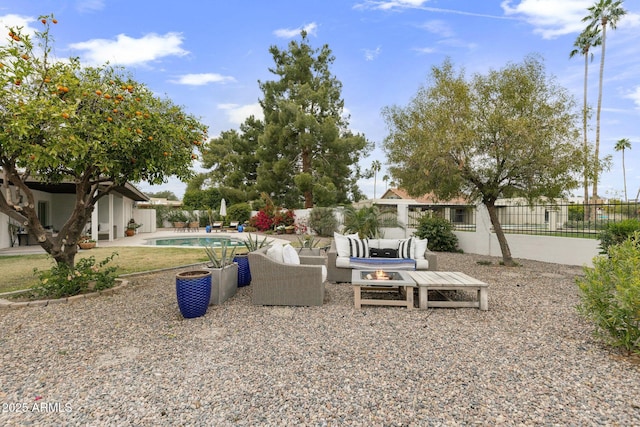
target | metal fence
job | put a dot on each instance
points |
(571, 219)
(463, 218)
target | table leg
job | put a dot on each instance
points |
(423, 296)
(409, 291)
(484, 299)
(356, 296)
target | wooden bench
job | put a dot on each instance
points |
(450, 281)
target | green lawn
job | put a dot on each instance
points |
(17, 271)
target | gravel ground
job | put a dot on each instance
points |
(131, 359)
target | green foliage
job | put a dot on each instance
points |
(177, 215)
(323, 222)
(610, 295)
(65, 281)
(439, 233)
(253, 244)
(308, 241)
(306, 134)
(617, 232)
(239, 212)
(365, 221)
(91, 126)
(222, 256)
(509, 132)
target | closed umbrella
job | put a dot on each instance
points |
(223, 208)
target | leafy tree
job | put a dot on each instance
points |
(94, 127)
(586, 40)
(232, 158)
(508, 133)
(621, 145)
(602, 14)
(305, 136)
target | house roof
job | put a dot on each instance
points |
(427, 199)
(127, 190)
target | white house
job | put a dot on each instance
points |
(54, 203)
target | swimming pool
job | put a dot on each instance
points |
(195, 241)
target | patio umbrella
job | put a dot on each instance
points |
(223, 208)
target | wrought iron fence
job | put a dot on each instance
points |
(570, 219)
(463, 218)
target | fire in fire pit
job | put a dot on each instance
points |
(378, 275)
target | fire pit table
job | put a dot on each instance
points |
(383, 282)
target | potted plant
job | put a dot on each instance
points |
(193, 292)
(224, 272)
(244, 274)
(308, 245)
(132, 227)
(86, 242)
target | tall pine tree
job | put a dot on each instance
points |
(307, 153)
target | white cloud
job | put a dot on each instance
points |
(424, 50)
(287, 33)
(126, 50)
(635, 96)
(15, 21)
(237, 114)
(391, 4)
(89, 5)
(371, 54)
(438, 27)
(551, 18)
(202, 79)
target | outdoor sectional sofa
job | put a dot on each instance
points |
(349, 252)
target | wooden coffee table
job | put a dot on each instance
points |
(450, 281)
(398, 280)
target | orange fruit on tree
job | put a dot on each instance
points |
(98, 92)
(109, 119)
(107, 96)
(138, 131)
(65, 115)
(44, 21)
(55, 21)
(25, 57)
(150, 138)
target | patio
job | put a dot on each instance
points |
(130, 358)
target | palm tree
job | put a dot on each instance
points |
(586, 40)
(386, 179)
(621, 145)
(375, 167)
(604, 13)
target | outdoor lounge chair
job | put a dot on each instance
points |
(216, 226)
(278, 283)
(233, 225)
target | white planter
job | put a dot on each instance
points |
(224, 283)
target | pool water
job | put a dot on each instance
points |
(195, 241)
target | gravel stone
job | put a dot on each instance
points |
(129, 358)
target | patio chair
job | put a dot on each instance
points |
(233, 225)
(216, 226)
(275, 282)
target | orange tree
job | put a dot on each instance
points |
(93, 127)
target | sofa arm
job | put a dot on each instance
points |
(313, 260)
(432, 258)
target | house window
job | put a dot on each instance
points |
(457, 216)
(43, 213)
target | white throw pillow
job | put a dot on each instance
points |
(342, 243)
(275, 252)
(358, 248)
(290, 255)
(420, 247)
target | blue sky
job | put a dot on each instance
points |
(209, 55)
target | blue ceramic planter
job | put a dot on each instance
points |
(193, 291)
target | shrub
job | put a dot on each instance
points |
(617, 232)
(323, 222)
(65, 281)
(439, 233)
(239, 212)
(610, 295)
(262, 221)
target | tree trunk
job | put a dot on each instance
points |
(598, 109)
(502, 239)
(585, 136)
(624, 177)
(306, 167)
